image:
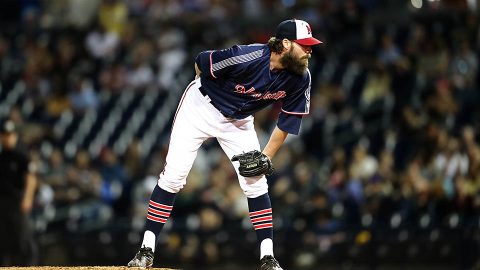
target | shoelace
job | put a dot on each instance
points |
(144, 251)
(271, 260)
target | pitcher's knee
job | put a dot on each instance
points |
(253, 190)
(171, 185)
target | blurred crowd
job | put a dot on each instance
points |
(391, 142)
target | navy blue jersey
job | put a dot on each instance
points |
(239, 83)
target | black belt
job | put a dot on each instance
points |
(211, 101)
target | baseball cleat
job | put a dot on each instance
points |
(269, 263)
(143, 258)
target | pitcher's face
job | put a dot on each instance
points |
(296, 58)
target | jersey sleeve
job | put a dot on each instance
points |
(295, 106)
(289, 123)
(298, 103)
(214, 64)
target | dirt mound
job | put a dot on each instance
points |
(77, 268)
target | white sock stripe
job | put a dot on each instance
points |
(159, 213)
(161, 206)
(261, 212)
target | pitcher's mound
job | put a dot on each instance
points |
(77, 268)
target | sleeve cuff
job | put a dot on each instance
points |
(289, 123)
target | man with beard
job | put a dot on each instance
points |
(230, 86)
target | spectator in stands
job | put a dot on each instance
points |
(440, 105)
(115, 184)
(140, 73)
(113, 16)
(59, 101)
(376, 88)
(389, 52)
(101, 44)
(56, 170)
(113, 77)
(363, 165)
(132, 160)
(433, 59)
(9, 70)
(82, 96)
(172, 56)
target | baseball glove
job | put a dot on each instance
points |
(253, 163)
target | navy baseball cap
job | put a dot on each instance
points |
(298, 31)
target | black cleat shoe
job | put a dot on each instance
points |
(269, 263)
(143, 258)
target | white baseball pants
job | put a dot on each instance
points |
(195, 121)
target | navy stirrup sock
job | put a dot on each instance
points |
(159, 208)
(261, 216)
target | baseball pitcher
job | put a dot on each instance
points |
(230, 86)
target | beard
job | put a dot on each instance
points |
(294, 64)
